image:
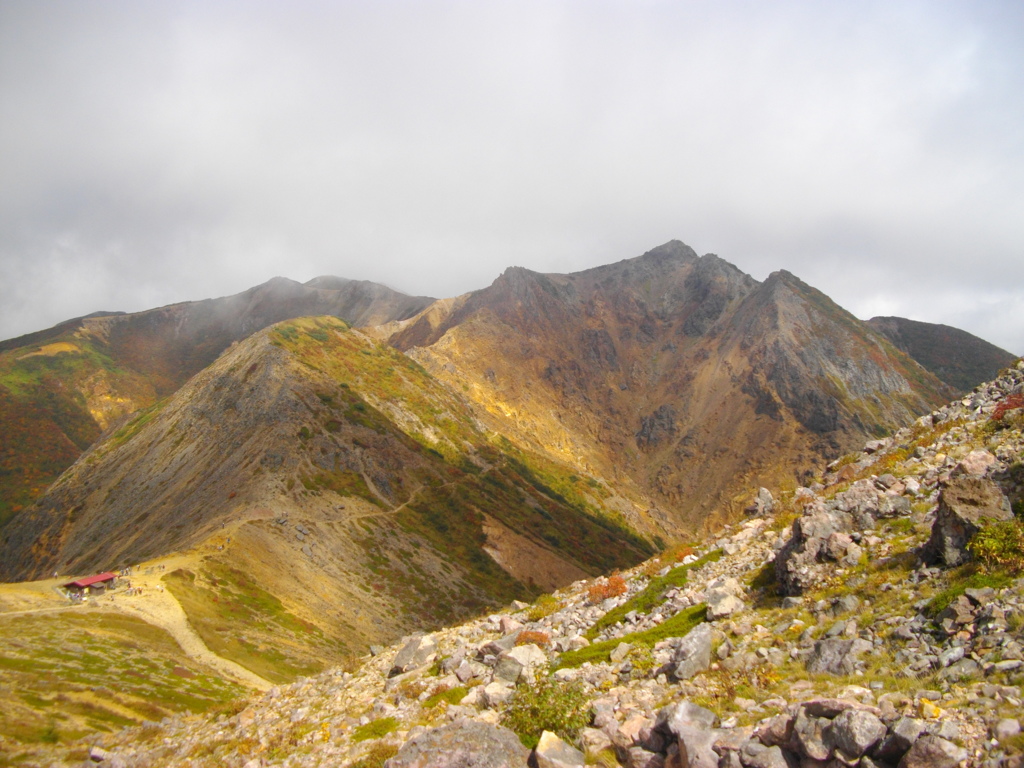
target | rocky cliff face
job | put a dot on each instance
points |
(678, 378)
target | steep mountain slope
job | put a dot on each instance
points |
(332, 473)
(700, 657)
(960, 359)
(61, 388)
(680, 379)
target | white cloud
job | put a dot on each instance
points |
(195, 149)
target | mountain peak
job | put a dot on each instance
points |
(675, 250)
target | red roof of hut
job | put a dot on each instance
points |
(88, 581)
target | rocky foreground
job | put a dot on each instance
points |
(875, 618)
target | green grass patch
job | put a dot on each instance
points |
(65, 675)
(597, 653)
(449, 695)
(969, 576)
(375, 729)
(652, 595)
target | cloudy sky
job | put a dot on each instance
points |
(153, 152)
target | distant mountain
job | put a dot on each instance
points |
(61, 388)
(337, 474)
(960, 359)
(679, 378)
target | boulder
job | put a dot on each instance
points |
(800, 563)
(638, 757)
(1006, 728)
(756, 755)
(975, 463)
(693, 653)
(836, 656)
(722, 605)
(463, 744)
(893, 506)
(776, 731)
(696, 746)
(860, 501)
(933, 752)
(902, 734)
(415, 653)
(552, 752)
(529, 655)
(670, 718)
(964, 504)
(763, 504)
(496, 694)
(854, 732)
(508, 669)
(508, 625)
(809, 736)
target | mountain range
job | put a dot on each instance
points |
(377, 462)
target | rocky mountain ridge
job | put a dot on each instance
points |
(62, 388)
(331, 473)
(677, 377)
(958, 358)
(856, 621)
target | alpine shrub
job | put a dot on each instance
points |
(547, 705)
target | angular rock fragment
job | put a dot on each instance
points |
(552, 752)
(463, 744)
(964, 504)
(415, 653)
(836, 656)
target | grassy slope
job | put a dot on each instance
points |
(468, 473)
(46, 418)
(240, 621)
(66, 674)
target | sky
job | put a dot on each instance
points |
(155, 152)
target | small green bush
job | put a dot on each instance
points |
(547, 705)
(545, 605)
(375, 729)
(450, 695)
(1000, 544)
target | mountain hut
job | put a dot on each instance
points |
(92, 584)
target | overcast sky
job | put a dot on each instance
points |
(154, 152)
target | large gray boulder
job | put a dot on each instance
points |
(854, 732)
(801, 563)
(670, 719)
(755, 755)
(693, 653)
(836, 656)
(933, 752)
(463, 744)
(902, 735)
(965, 503)
(415, 653)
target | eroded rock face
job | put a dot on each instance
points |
(465, 744)
(964, 504)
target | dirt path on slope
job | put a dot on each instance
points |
(157, 606)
